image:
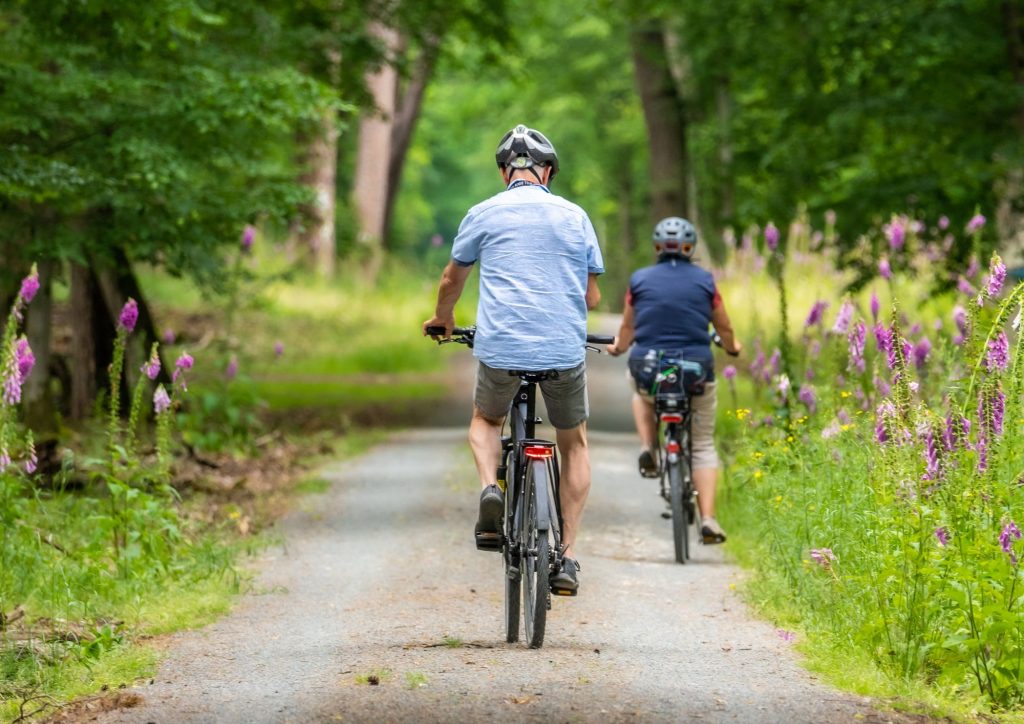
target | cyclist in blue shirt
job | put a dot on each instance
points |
(668, 309)
(539, 261)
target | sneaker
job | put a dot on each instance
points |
(711, 532)
(566, 582)
(488, 525)
(647, 464)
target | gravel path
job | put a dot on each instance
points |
(379, 578)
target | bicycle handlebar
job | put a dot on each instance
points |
(467, 334)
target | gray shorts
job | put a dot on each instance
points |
(564, 396)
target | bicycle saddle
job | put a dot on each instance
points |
(534, 375)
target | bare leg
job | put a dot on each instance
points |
(575, 481)
(705, 480)
(485, 440)
(643, 416)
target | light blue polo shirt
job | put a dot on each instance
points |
(536, 251)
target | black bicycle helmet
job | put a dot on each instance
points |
(524, 147)
(675, 235)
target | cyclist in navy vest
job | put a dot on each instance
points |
(668, 309)
(539, 262)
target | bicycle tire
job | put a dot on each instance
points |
(680, 534)
(536, 565)
(513, 563)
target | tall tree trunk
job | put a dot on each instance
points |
(39, 412)
(665, 116)
(321, 169)
(370, 185)
(727, 195)
(83, 343)
(407, 113)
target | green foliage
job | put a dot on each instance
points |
(877, 519)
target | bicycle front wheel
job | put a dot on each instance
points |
(536, 563)
(680, 534)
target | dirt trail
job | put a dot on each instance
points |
(379, 578)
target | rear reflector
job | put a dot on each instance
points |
(673, 447)
(538, 452)
(671, 417)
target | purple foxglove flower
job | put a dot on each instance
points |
(884, 269)
(806, 396)
(787, 636)
(858, 338)
(824, 557)
(998, 356)
(24, 358)
(278, 349)
(942, 535)
(920, 352)
(915, 329)
(875, 307)
(151, 368)
(232, 369)
(783, 385)
(129, 315)
(972, 267)
(32, 464)
(958, 339)
(964, 287)
(771, 236)
(248, 236)
(29, 286)
(181, 366)
(931, 456)
(773, 363)
(169, 336)
(943, 222)
(5, 459)
(895, 232)
(757, 366)
(843, 317)
(883, 338)
(830, 217)
(996, 276)
(977, 221)
(809, 374)
(882, 387)
(960, 318)
(815, 315)
(1009, 534)
(161, 400)
(729, 373)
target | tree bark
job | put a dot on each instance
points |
(370, 185)
(83, 343)
(1010, 210)
(665, 117)
(39, 330)
(407, 113)
(320, 161)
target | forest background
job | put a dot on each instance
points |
(281, 175)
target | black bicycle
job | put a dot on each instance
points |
(677, 381)
(531, 542)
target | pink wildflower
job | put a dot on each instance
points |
(248, 236)
(152, 368)
(771, 236)
(974, 225)
(129, 315)
(161, 400)
(29, 286)
(884, 269)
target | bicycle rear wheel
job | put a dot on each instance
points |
(536, 563)
(680, 534)
(513, 562)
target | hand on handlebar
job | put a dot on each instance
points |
(613, 348)
(735, 351)
(448, 324)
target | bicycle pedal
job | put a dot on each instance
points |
(563, 592)
(488, 541)
(666, 514)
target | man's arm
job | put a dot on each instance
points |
(453, 280)
(593, 293)
(723, 326)
(626, 333)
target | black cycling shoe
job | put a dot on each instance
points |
(566, 582)
(647, 464)
(488, 525)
